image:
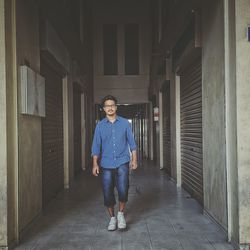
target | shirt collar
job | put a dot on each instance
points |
(117, 119)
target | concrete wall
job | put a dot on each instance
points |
(226, 108)
(128, 89)
(12, 121)
(29, 127)
(231, 121)
(29, 130)
(8, 124)
(213, 81)
(3, 131)
(243, 117)
(213, 88)
(20, 135)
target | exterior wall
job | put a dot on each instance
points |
(243, 118)
(128, 89)
(214, 161)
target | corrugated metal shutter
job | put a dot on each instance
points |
(191, 131)
(166, 129)
(52, 135)
(77, 128)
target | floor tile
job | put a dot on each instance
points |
(159, 217)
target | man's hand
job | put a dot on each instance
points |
(95, 170)
(133, 165)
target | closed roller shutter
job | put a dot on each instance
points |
(77, 128)
(52, 135)
(191, 131)
(166, 129)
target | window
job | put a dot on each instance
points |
(131, 49)
(110, 49)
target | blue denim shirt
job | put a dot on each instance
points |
(112, 142)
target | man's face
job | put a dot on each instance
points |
(110, 107)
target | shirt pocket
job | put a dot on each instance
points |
(106, 134)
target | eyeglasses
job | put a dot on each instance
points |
(110, 106)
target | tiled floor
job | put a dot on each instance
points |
(159, 216)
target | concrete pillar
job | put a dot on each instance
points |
(83, 130)
(178, 130)
(242, 10)
(3, 132)
(213, 110)
(151, 133)
(230, 116)
(161, 130)
(66, 125)
(8, 127)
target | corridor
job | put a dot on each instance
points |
(159, 216)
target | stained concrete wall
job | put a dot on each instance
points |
(8, 125)
(29, 130)
(213, 98)
(231, 121)
(12, 144)
(128, 89)
(243, 117)
(3, 131)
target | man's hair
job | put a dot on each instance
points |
(108, 97)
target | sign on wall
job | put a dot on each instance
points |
(32, 92)
(156, 114)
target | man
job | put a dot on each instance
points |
(112, 139)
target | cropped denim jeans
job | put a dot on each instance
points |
(119, 178)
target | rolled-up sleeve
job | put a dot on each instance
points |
(130, 138)
(96, 144)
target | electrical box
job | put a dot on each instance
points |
(32, 92)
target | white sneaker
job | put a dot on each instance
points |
(112, 224)
(121, 220)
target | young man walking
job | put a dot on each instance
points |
(112, 139)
